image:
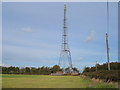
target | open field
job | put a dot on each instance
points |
(46, 81)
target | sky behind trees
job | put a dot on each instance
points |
(32, 33)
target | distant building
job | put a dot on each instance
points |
(63, 73)
(75, 73)
(57, 74)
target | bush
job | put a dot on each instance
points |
(104, 74)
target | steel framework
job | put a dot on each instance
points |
(65, 61)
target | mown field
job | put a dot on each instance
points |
(47, 81)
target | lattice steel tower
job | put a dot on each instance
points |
(65, 55)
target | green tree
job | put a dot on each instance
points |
(22, 71)
(4, 70)
(17, 70)
(75, 69)
(55, 68)
(33, 70)
(87, 69)
(27, 70)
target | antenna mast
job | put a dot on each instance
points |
(65, 57)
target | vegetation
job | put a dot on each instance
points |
(101, 72)
(32, 70)
(48, 81)
(31, 77)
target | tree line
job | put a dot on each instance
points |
(98, 67)
(33, 70)
(102, 72)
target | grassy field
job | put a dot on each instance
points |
(46, 81)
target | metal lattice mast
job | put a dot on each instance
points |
(65, 56)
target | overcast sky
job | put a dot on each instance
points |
(32, 33)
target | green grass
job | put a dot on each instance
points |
(47, 81)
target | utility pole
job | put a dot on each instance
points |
(96, 66)
(107, 45)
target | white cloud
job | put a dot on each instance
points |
(91, 36)
(5, 65)
(27, 29)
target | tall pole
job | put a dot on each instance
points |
(96, 66)
(107, 43)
